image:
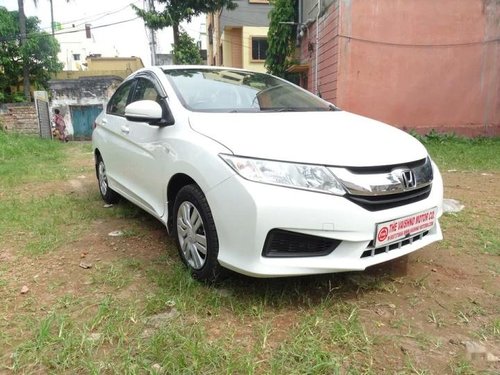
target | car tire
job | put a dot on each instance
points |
(195, 234)
(108, 195)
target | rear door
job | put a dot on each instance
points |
(115, 138)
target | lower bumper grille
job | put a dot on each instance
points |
(284, 244)
(372, 251)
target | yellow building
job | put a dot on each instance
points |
(238, 38)
(245, 47)
(104, 66)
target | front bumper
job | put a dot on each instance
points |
(245, 212)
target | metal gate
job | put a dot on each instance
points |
(43, 115)
(82, 119)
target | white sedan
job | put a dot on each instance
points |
(252, 173)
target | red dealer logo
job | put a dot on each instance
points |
(382, 234)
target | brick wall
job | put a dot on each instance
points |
(327, 55)
(19, 118)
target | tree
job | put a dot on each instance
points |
(22, 36)
(186, 51)
(177, 11)
(38, 54)
(281, 37)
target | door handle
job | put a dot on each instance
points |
(104, 121)
(125, 129)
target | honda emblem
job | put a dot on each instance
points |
(408, 178)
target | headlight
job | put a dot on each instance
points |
(300, 176)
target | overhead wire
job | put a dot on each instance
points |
(34, 35)
(94, 17)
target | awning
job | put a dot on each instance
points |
(298, 68)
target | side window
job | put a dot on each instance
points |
(118, 101)
(259, 48)
(145, 90)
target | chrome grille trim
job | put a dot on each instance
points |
(383, 202)
(394, 179)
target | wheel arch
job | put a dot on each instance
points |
(97, 155)
(176, 183)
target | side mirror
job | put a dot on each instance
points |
(149, 111)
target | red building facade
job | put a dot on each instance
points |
(415, 64)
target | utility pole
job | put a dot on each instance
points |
(52, 16)
(149, 5)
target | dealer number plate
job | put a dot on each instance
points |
(395, 230)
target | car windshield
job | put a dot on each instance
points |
(225, 90)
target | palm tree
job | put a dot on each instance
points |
(22, 29)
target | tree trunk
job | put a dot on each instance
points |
(175, 28)
(22, 29)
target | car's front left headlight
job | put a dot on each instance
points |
(300, 176)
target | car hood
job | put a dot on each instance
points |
(328, 138)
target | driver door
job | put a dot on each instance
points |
(147, 153)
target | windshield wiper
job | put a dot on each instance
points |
(280, 109)
(287, 109)
(301, 109)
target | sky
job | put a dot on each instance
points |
(124, 39)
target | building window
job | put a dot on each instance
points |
(259, 48)
(76, 56)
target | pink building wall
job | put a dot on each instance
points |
(328, 55)
(415, 64)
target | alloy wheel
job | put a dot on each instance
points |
(103, 179)
(191, 234)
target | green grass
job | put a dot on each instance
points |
(325, 341)
(26, 159)
(461, 366)
(30, 159)
(485, 240)
(304, 325)
(464, 154)
(43, 224)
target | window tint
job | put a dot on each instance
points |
(118, 101)
(145, 90)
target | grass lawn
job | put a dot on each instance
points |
(137, 311)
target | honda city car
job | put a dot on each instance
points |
(251, 173)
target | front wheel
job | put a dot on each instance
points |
(195, 234)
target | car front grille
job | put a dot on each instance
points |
(284, 244)
(373, 251)
(382, 187)
(383, 202)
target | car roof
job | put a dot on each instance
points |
(158, 69)
(202, 67)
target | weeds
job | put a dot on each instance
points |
(462, 367)
(435, 318)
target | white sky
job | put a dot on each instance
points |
(126, 39)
